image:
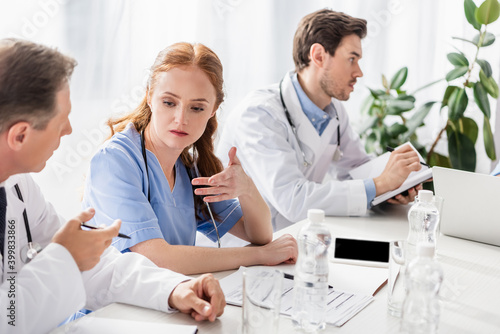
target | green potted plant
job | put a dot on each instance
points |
(471, 78)
(391, 119)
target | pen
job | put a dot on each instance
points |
(289, 276)
(121, 235)
(390, 149)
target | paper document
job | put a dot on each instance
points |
(92, 324)
(375, 167)
(342, 306)
(357, 279)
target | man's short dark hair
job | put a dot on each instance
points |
(30, 76)
(327, 28)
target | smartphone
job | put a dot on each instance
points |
(370, 253)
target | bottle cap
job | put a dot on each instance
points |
(425, 196)
(425, 249)
(316, 215)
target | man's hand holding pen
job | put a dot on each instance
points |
(86, 247)
(401, 163)
(391, 149)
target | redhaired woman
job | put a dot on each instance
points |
(150, 171)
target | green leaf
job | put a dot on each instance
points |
(488, 39)
(488, 12)
(375, 109)
(489, 143)
(436, 159)
(489, 84)
(384, 138)
(396, 107)
(470, 13)
(370, 144)
(457, 72)
(417, 119)
(485, 66)
(385, 83)
(405, 97)
(394, 142)
(399, 78)
(469, 128)
(396, 129)
(385, 97)
(447, 94)
(461, 151)
(494, 87)
(481, 98)
(376, 93)
(458, 59)
(457, 103)
(378, 132)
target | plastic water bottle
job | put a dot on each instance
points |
(311, 274)
(423, 217)
(423, 279)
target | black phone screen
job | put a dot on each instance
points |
(363, 250)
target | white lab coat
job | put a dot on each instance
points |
(50, 288)
(272, 157)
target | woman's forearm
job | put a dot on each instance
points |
(189, 260)
(256, 217)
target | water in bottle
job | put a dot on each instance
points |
(423, 279)
(311, 274)
(423, 218)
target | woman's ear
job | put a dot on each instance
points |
(18, 134)
(148, 98)
(214, 111)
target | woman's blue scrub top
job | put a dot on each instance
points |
(117, 187)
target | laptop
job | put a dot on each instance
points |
(471, 204)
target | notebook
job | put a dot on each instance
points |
(470, 207)
(375, 167)
(94, 324)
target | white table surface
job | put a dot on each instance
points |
(470, 292)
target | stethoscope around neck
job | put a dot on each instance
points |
(338, 153)
(31, 250)
(145, 158)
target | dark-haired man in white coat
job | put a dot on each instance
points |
(292, 135)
